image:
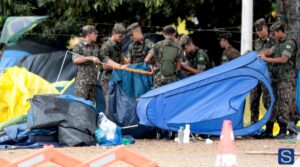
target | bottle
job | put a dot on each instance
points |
(186, 132)
(180, 135)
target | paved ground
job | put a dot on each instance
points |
(169, 153)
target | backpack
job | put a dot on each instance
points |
(168, 53)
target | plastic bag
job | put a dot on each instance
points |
(107, 132)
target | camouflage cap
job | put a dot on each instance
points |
(225, 36)
(132, 26)
(119, 29)
(259, 24)
(89, 29)
(185, 39)
(169, 30)
(279, 25)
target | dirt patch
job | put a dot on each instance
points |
(169, 153)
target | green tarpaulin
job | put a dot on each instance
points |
(15, 27)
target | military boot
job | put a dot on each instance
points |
(268, 133)
(282, 132)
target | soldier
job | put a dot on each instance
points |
(195, 60)
(283, 73)
(229, 52)
(139, 48)
(112, 48)
(263, 42)
(86, 59)
(167, 56)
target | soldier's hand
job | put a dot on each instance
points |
(96, 59)
(262, 56)
(124, 66)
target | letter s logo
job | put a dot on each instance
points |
(286, 156)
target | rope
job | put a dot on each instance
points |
(117, 67)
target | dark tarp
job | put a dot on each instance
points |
(48, 65)
(74, 118)
(19, 136)
(35, 47)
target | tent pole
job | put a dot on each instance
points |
(62, 65)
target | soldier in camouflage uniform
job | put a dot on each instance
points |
(112, 48)
(229, 52)
(263, 42)
(88, 55)
(139, 48)
(195, 60)
(284, 74)
(167, 56)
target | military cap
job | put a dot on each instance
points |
(184, 40)
(225, 36)
(132, 26)
(169, 30)
(259, 24)
(279, 25)
(89, 29)
(119, 29)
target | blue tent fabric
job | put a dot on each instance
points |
(124, 88)
(133, 84)
(11, 57)
(205, 100)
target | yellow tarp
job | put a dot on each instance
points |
(17, 85)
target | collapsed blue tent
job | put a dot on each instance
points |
(205, 100)
(11, 57)
(124, 88)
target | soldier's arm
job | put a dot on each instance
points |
(109, 63)
(267, 52)
(129, 53)
(276, 60)
(188, 68)
(83, 59)
(149, 56)
(80, 59)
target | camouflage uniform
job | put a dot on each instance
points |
(229, 54)
(255, 95)
(86, 78)
(198, 60)
(157, 52)
(137, 51)
(284, 81)
(113, 51)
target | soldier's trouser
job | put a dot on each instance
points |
(86, 91)
(285, 106)
(104, 82)
(255, 95)
(163, 80)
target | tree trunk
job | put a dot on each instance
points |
(289, 11)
